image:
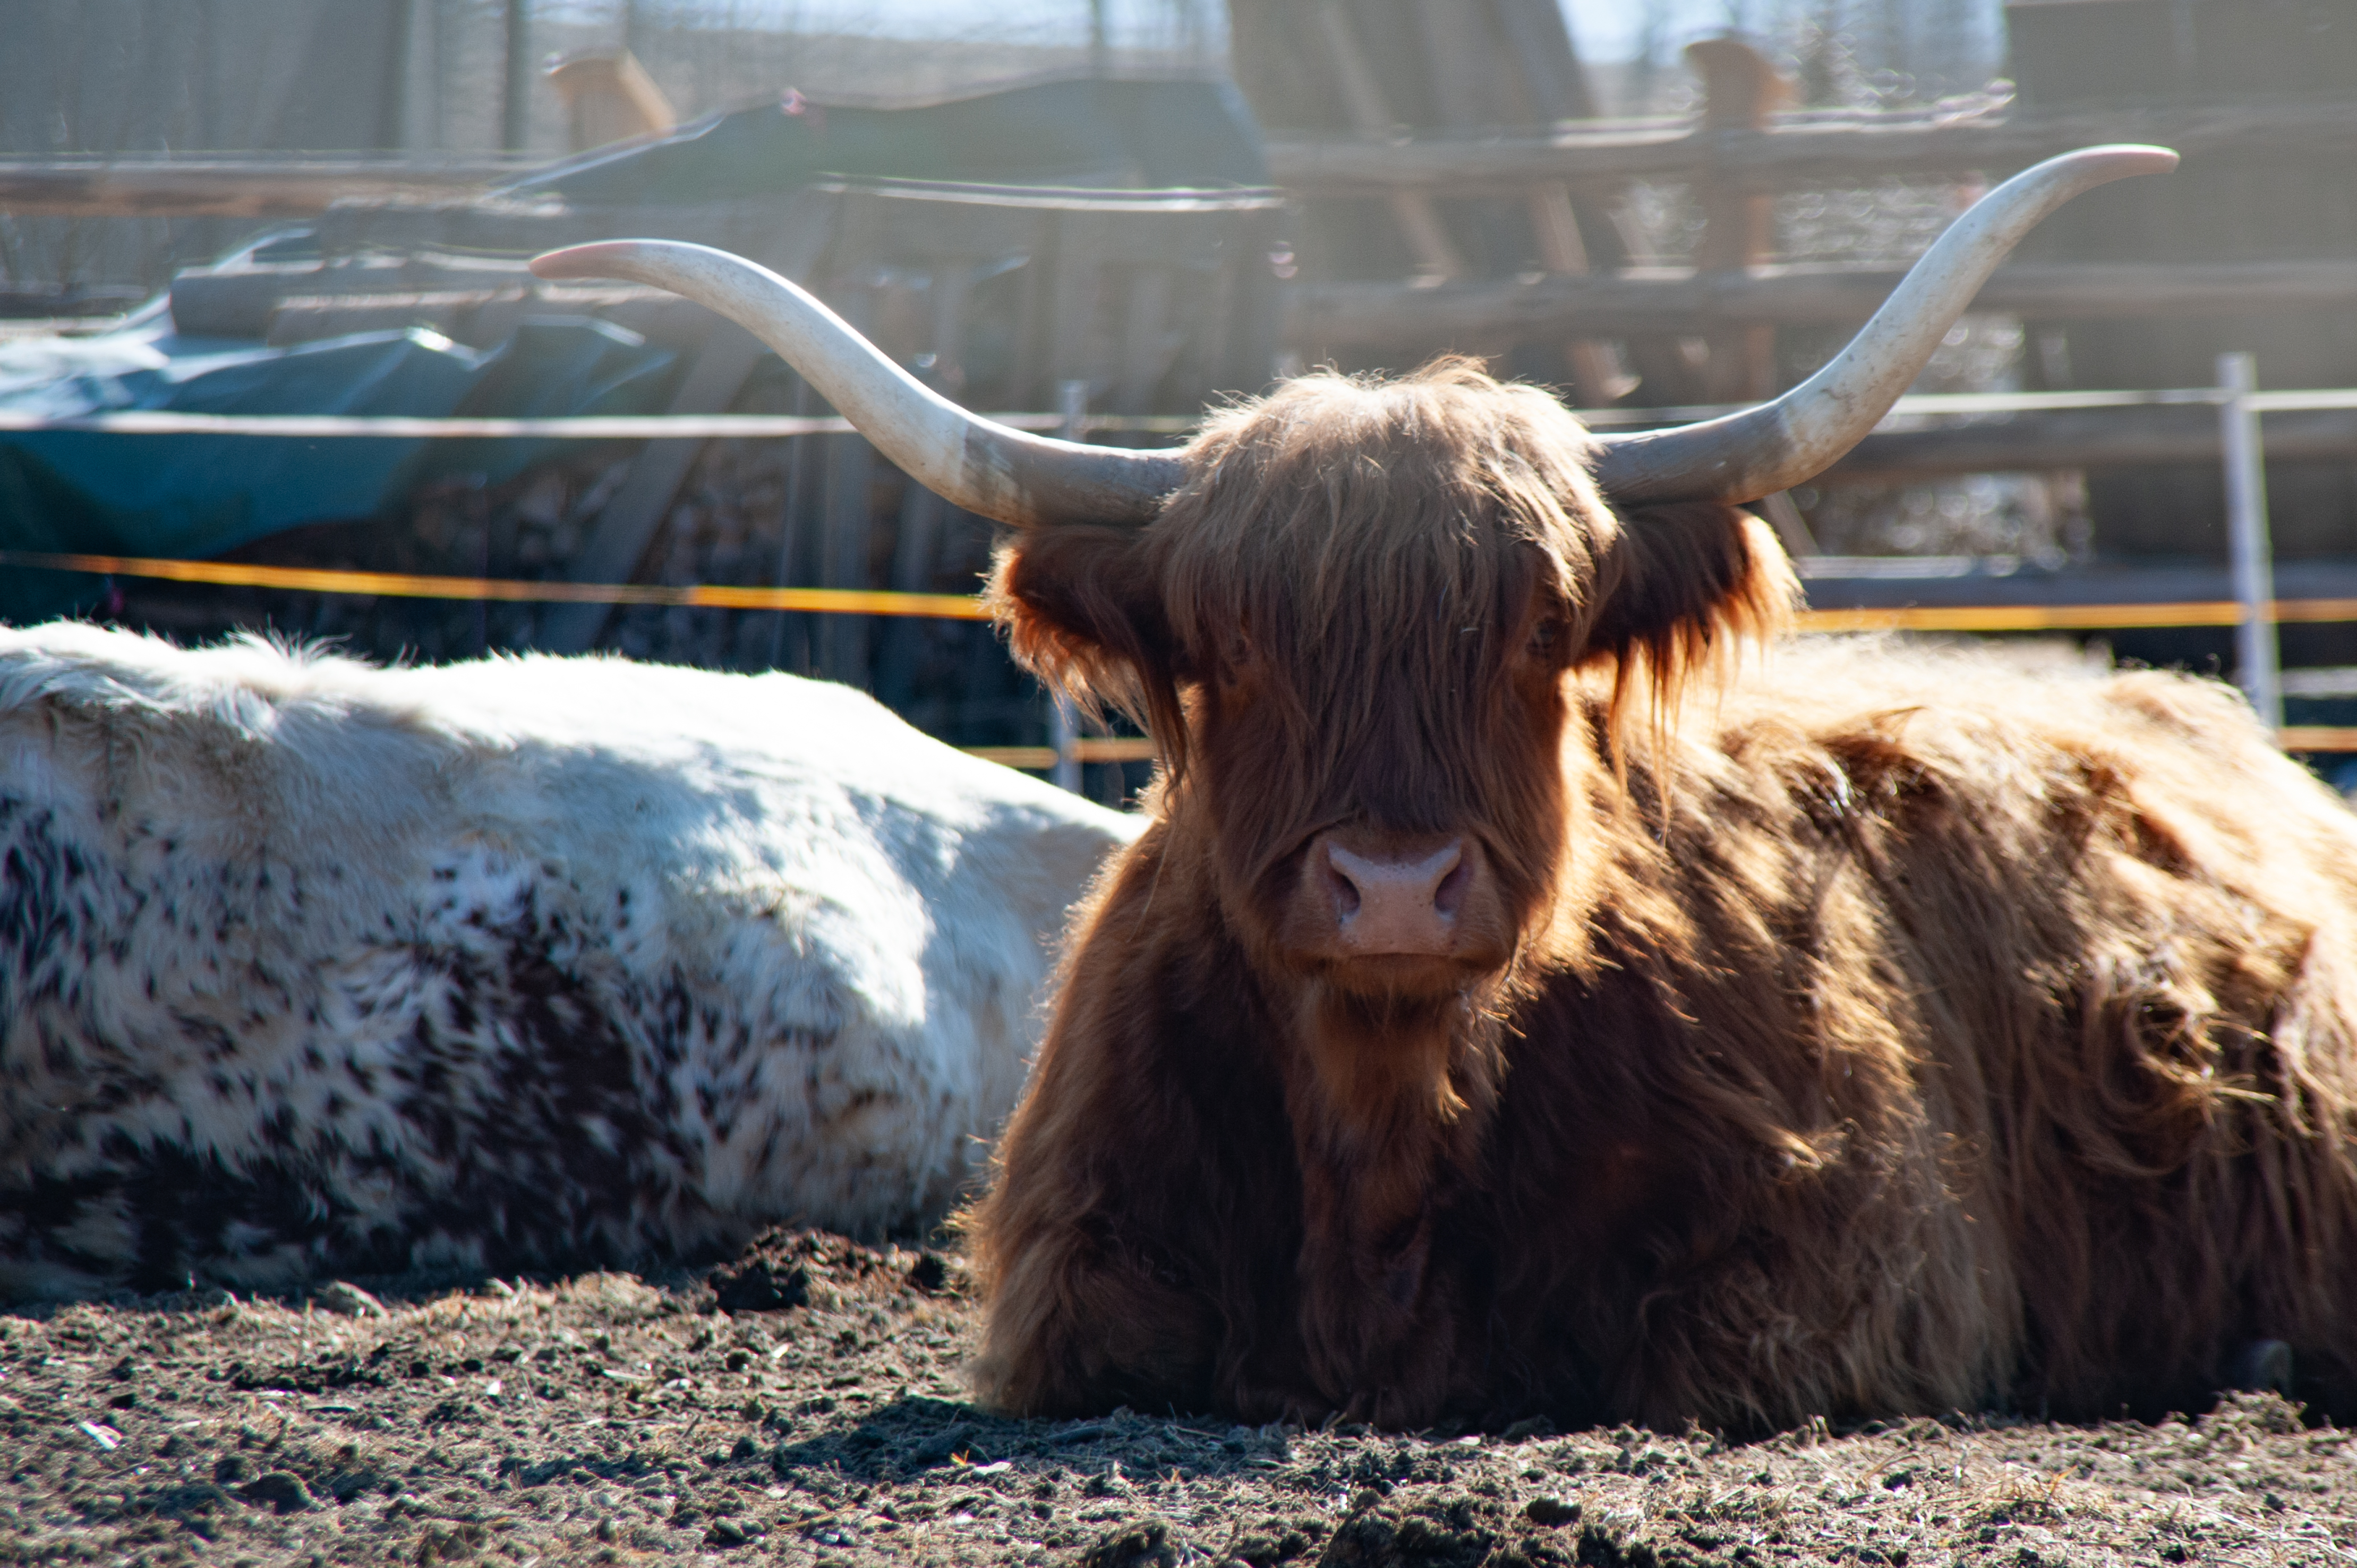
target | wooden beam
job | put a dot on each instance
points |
(1796, 152)
(2312, 589)
(1789, 154)
(233, 187)
(2091, 438)
(1407, 318)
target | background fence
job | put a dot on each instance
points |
(2255, 612)
(1447, 184)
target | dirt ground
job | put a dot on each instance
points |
(809, 1411)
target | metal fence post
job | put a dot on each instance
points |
(1064, 724)
(2246, 529)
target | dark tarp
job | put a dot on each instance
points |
(1136, 135)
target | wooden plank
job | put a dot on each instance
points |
(1596, 375)
(2094, 438)
(1088, 749)
(1795, 152)
(1790, 153)
(1329, 315)
(233, 188)
(2311, 590)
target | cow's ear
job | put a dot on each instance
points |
(1681, 585)
(1082, 613)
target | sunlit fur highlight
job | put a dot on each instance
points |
(1885, 1033)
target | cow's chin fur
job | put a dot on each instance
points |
(1389, 1061)
(1403, 985)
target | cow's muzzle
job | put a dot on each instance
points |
(1392, 904)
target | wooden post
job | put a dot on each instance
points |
(1475, 55)
(2247, 529)
(1740, 89)
(515, 97)
(790, 633)
(923, 514)
(843, 545)
(1596, 374)
(1419, 220)
(610, 97)
(1063, 722)
(392, 120)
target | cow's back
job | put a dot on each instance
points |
(1998, 1025)
(305, 963)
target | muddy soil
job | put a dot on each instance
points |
(809, 1411)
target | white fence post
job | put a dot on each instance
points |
(1072, 401)
(2247, 529)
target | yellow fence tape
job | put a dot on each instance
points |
(407, 585)
(965, 606)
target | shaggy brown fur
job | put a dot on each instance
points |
(1879, 1033)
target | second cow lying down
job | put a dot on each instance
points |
(310, 967)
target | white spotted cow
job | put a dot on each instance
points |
(309, 967)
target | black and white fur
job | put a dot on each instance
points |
(308, 966)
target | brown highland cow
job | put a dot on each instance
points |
(1514, 1008)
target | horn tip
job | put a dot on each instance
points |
(591, 260)
(2125, 159)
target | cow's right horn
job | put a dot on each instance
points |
(1008, 475)
(1742, 456)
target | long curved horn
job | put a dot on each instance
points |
(1742, 456)
(1011, 476)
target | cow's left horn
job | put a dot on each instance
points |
(1010, 475)
(1742, 456)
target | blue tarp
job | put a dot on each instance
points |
(197, 496)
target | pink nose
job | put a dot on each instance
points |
(1396, 906)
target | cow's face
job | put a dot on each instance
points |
(1352, 631)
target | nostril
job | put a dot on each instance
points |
(1344, 892)
(1450, 894)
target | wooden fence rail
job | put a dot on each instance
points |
(2094, 438)
(1925, 437)
(1799, 151)
(1366, 315)
(1793, 152)
(231, 187)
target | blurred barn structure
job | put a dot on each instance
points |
(1170, 209)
